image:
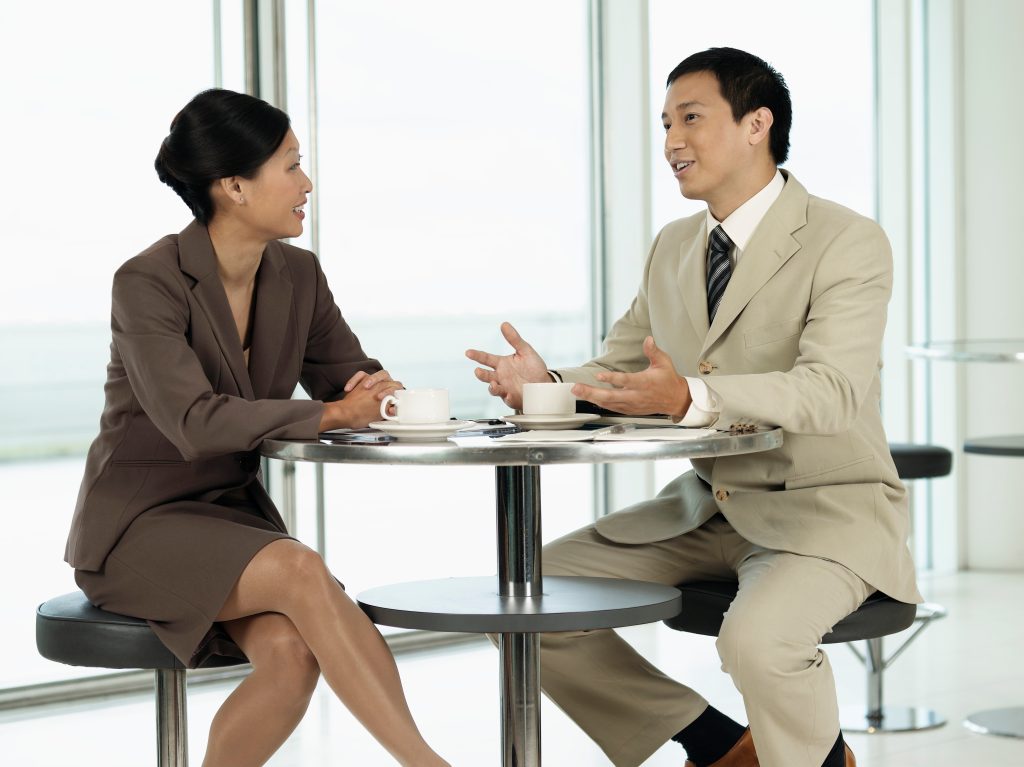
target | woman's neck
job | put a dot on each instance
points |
(238, 253)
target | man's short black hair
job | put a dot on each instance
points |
(747, 83)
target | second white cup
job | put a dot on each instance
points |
(416, 406)
(548, 399)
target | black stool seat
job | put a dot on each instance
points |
(705, 602)
(70, 630)
(920, 461)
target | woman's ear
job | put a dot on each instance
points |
(231, 188)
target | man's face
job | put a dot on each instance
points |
(709, 152)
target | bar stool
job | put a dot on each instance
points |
(912, 462)
(705, 603)
(70, 630)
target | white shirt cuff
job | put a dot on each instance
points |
(705, 408)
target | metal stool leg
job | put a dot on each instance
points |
(171, 718)
(879, 717)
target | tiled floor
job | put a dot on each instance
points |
(970, 661)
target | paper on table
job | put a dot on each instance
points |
(671, 434)
(554, 435)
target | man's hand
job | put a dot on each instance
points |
(659, 389)
(509, 372)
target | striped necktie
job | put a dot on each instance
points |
(719, 268)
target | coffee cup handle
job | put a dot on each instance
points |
(388, 400)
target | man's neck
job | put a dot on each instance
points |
(724, 204)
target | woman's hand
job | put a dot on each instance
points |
(361, 405)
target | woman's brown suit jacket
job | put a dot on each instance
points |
(183, 414)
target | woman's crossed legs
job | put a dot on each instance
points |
(293, 621)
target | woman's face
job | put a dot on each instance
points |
(274, 199)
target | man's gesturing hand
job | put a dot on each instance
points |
(659, 389)
(509, 372)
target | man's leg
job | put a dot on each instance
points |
(625, 704)
(769, 645)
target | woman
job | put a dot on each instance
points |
(212, 329)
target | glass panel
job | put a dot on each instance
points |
(830, 78)
(81, 133)
(453, 194)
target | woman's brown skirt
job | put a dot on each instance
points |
(175, 567)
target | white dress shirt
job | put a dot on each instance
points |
(740, 227)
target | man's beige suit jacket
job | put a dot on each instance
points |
(796, 343)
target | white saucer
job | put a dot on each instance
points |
(424, 432)
(545, 422)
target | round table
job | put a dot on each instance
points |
(520, 603)
(1008, 722)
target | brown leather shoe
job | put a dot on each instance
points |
(850, 761)
(742, 754)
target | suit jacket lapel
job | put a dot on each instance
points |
(693, 278)
(197, 259)
(771, 246)
(274, 298)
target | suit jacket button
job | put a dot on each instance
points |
(722, 495)
(705, 367)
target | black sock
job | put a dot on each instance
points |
(709, 737)
(837, 756)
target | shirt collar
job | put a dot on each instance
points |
(740, 225)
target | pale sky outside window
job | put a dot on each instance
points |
(454, 193)
(85, 108)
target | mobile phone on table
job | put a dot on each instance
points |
(356, 436)
(488, 427)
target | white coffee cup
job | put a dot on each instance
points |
(548, 399)
(416, 406)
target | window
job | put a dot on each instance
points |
(80, 198)
(453, 194)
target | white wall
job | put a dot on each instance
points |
(992, 264)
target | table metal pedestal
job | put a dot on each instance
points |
(1008, 722)
(521, 604)
(518, 607)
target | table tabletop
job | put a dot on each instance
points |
(1010, 445)
(497, 453)
(964, 350)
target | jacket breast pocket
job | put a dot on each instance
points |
(773, 333)
(857, 471)
(151, 463)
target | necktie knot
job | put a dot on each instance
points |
(719, 268)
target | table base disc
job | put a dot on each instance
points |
(892, 719)
(1008, 722)
(474, 605)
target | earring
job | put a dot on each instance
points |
(241, 200)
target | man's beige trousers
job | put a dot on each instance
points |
(768, 644)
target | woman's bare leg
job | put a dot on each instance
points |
(289, 578)
(269, 703)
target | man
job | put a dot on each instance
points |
(768, 309)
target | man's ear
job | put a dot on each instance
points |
(761, 120)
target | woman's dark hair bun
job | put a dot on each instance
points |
(219, 133)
